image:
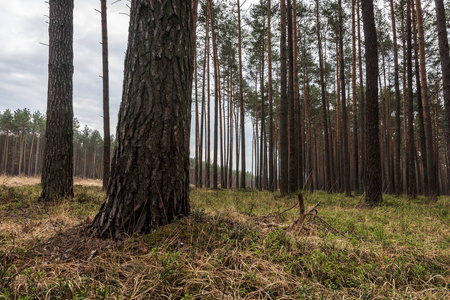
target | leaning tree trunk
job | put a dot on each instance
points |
(149, 183)
(373, 162)
(57, 170)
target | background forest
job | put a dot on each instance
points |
(337, 143)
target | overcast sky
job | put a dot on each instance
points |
(24, 60)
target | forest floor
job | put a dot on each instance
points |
(234, 245)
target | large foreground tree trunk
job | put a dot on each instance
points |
(149, 183)
(373, 162)
(57, 171)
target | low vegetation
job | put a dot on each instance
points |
(234, 245)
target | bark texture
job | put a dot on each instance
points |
(57, 171)
(149, 183)
(373, 161)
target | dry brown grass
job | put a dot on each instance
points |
(14, 181)
(222, 251)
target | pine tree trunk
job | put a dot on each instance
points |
(149, 183)
(5, 157)
(106, 130)
(30, 158)
(445, 65)
(344, 107)
(36, 160)
(293, 155)
(431, 163)
(423, 148)
(272, 175)
(241, 103)
(298, 129)
(324, 108)
(373, 163)
(411, 177)
(200, 173)
(208, 119)
(398, 134)
(362, 106)
(284, 104)
(355, 106)
(57, 171)
(197, 143)
(216, 99)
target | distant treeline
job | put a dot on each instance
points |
(22, 142)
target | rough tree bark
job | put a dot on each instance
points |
(373, 162)
(57, 170)
(149, 183)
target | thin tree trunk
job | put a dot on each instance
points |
(106, 130)
(200, 173)
(431, 163)
(362, 107)
(344, 107)
(216, 98)
(398, 134)
(423, 148)
(411, 177)
(355, 106)
(297, 115)
(208, 119)
(445, 66)
(284, 104)
(324, 108)
(197, 137)
(241, 102)
(272, 175)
